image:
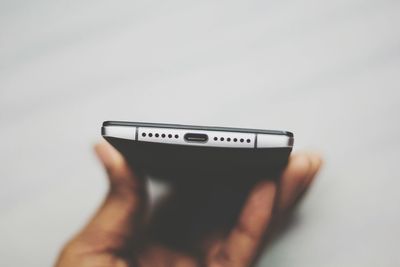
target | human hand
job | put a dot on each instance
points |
(116, 236)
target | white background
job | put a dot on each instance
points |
(327, 70)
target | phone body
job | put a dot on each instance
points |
(176, 152)
(211, 171)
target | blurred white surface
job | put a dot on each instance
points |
(327, 70)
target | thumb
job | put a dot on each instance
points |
(115, 224)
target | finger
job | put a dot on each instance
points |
(113, 226)
(243, 242)
(316, 163)
(297, 176)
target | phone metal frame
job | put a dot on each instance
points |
(217, 136)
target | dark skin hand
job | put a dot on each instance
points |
(115, 236)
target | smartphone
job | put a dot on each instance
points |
(176, 152)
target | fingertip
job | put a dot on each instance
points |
(107, 154)
(297, 177)
(101, 152)
(303, 165)
(316, 159)
(294, 180)
(298, 168)
(316, 163)
(119, 173)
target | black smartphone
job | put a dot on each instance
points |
(212, 170)
(176, 152)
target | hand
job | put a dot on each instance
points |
(116, 236)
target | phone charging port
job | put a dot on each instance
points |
(196, 137)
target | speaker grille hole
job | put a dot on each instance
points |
(177, 136)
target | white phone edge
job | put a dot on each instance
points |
(215, 138)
